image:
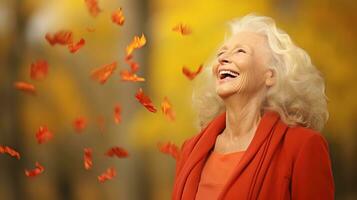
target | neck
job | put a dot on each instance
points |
(243, 114)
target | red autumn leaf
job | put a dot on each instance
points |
(133, 65)
(189, 74)
(145, 100)
(118, 17)
(103, 73)
(39, 69)
(136, 43)
(63, 37)
(128, 58)
(93, 8)
(167, 109)
(170, 149)
(182, 29)
(117, 114)
(79, 124)
(107, 175)
(10, 151)
(43, 135)
(38, 170)
(73, 48)
(87, 158)
(25, 87)
(129, 76)
(118, 152)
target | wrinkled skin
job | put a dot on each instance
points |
(246, 56)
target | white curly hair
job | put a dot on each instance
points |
(298, 94)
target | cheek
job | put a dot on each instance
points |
(251, 71)
(243, 82)
(244, 63)
(249, 81)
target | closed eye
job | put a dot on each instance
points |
(241, 51)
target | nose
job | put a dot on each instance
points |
(224, 60)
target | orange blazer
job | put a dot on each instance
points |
(280, 163)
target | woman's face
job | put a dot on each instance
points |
(241, 65)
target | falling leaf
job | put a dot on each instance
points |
(145, 100)
(93, 8)
(118, 152)
(62, 37)
(128, 58)
(10, 151)
(117, 114)
(136, 43)
(189, 74)
(38, 170)
(65, 37)
(182, 29)
(25, 87)
(73, 48)
(102, 73)
(38, 70)
(118, 17)
(133, 65)
(129, 49)
(129, 76)
(107, 175)
(167, 109)
(88, 160)
(79, 124)
(43, 135)
(170, 149)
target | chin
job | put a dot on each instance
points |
(225, 89)
(225, 92)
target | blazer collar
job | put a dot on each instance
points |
(206, 141)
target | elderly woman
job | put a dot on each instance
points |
(259, 137)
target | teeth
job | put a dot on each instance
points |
(228, 73)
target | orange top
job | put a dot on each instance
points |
(215, 174)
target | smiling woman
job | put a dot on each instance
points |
(242, 64)
(298, 94)
(260, 111)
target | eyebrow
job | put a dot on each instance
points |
(236, 46)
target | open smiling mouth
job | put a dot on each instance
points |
(226, 74)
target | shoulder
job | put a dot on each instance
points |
(300, 139)
(300, 135)
(311, 174)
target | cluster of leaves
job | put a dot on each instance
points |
(39, 71)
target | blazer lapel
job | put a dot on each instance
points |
(187, 182)
(268, 134)
(272, 144)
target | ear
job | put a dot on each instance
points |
(270, 78)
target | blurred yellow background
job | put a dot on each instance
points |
(326, 29)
